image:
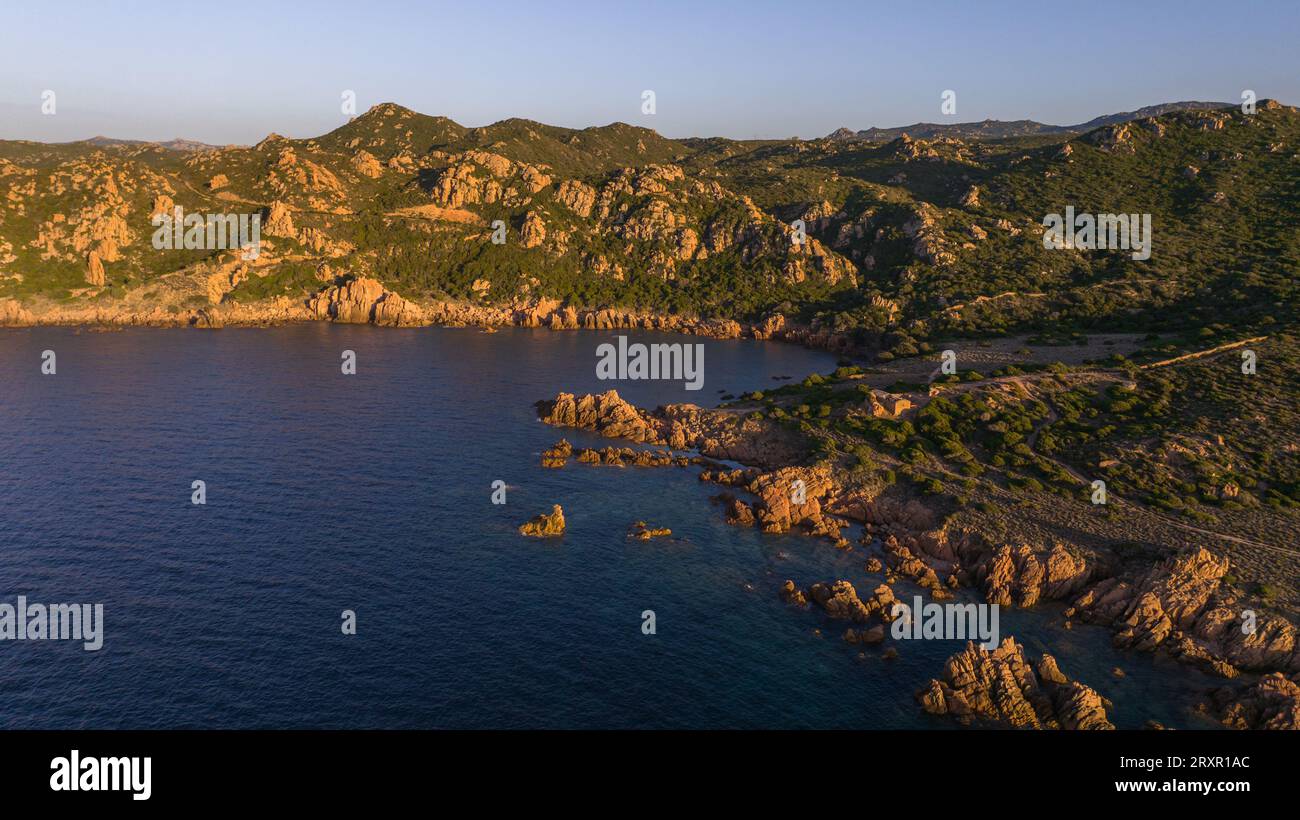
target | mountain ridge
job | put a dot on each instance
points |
(1001, 129)
(175, 144)
(981, 129)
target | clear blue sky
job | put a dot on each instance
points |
(234, 71)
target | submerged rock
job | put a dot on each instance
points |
(644, 532)
(738, 513)
(791, 594)
(558, 455)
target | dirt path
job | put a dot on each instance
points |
(1200, 354)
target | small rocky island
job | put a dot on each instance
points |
(545, 525)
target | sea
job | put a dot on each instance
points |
(368, 498)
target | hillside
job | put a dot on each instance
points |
(908, 241)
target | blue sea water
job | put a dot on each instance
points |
(371, 493)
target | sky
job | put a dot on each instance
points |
(234, 71)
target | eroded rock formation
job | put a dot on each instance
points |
(1182, 607)
(679, 426)
(360, 301)
(1272, 702)
(1002, 686)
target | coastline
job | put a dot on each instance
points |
(917, 540)
(367, 301)
(1178, 606)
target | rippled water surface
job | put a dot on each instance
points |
(372, 493)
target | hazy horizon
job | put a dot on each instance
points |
(127, 74)
(191, 138)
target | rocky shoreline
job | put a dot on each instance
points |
(1004, 687)
(1181, 606)
(367, 301)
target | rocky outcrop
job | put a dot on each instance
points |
(770, 327)
(614, 319)
(1272, 702)
(95, 270)
(278, 221)
(840, 601)
(1048, 671)
(1002, 686)
(935, 555)
(13, 314)
(1168, 599)
(679, 426)
(361, 301)
(787, 498)
(900, 558)
(558, 455)
(533, 231)
(206, 320)
(631, 457)
(156, 306)
(292, 175)
(1183, 608)
(1022, 576)
(892, 513)
(394, 311)
(352, 302)
(790, 496)
(929, 243)
(365, 164)
(606, 413)
(481, 177)
(791, 594)
(737, 512)
(162, 206)
(1113, 138)
(576, 196)
(545, 525)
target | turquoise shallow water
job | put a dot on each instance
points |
(372, 493)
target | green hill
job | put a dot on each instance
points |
(911, 240)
